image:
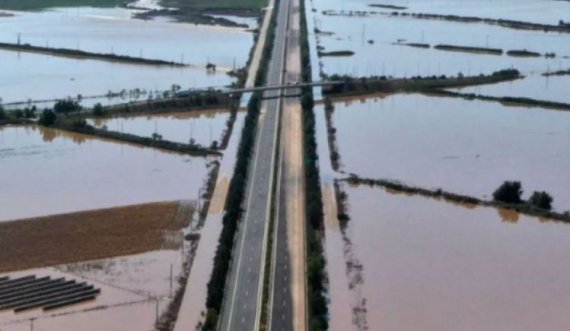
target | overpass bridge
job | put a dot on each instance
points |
(296, 87)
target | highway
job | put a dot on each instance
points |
(242, 304)
(287, 302)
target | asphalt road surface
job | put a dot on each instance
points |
(242, 305)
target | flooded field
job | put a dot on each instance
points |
(377, 34)
(203, 127)
(50, 172)
(467, 147)
(430, 265)
(536, 11)
(40, 77)
(553, 88)
(134, 289)
(112, 30)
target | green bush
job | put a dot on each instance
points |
(3, 114)
(98, 110)
(47, 118)
(66, 106)
(541, 200)
(509, 192)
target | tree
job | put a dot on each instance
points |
(66, 106)
(509, 192)
(3, 114)
(30, 112)
(541, 200)
(98, 110)
(47, 118)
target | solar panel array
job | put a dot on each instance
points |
(29, 292)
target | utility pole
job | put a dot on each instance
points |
(19, 38)
(171, 271)
(156, 305)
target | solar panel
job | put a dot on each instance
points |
(29, 292)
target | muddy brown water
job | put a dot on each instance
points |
(203, 127)
(467, 147)
(47, 171)
(128, 285)
(430, 265)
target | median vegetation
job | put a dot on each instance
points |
(316, 262)
(237, 189)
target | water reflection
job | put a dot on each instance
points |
(508, 215)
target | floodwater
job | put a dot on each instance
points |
(132, 287)
(536, 11)
(46, 171)
(203, 127)
(553, 88)
(112, 30)
(431, 265)
(370, 36)
(194, 301)
(27, 76)
(467, 147)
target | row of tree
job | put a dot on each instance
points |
(236, 193)
(316, 263)
(511, 192)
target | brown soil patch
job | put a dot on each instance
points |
(51, 240)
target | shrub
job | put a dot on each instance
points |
(509, 192)
(47, 118)
(98, 110)
(541, 200)
(66, 106)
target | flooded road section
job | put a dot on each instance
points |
(134, 289)
(203, 127)
(431, 265)
(466, 147)
(47, 171)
